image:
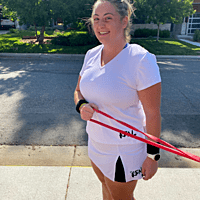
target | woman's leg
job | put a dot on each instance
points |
(113, 190)
(105, 191)
(121, 191)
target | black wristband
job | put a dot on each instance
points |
(152, 149)
(78, 105)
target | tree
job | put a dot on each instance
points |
(12, 15)
(74, 10)
(163, 11)
(41, 12)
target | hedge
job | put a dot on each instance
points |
(140, 33)
(75, 39)
(196, 36)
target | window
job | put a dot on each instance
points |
(194, 23)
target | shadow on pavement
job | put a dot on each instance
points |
(37, 103)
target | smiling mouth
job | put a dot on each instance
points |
(103, 33)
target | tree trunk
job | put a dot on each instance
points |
(158, 34)
(41, 37)
(36, 31)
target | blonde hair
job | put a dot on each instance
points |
(124, 8)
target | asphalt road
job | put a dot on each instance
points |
(37, 108)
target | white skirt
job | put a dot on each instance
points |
(105, 156)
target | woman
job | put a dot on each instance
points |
(122, 80)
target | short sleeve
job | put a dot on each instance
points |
(84, 63)
(148, 73)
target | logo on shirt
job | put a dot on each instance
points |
(123, 136)
(136, 172)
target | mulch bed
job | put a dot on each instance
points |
(32, 39)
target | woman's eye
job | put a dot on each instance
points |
(96, 19)
(107, 18)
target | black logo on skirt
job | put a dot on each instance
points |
(136, 172)
(123, 136)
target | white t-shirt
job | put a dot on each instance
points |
(113, 88)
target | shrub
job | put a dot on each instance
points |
(81, 39)
(140, 33)
(143, 33)
(165, 34)
(48, 32)
(196, 36)
(60, 40)
(12, 30)
(31, 28)
(75, 39)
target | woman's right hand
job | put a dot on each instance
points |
(87, 111)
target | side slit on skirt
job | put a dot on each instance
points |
(119, 171)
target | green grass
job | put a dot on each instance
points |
(10, 43)
(167, 47)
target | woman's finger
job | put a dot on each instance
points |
(94, 106)
(147, 176)
(87, 111)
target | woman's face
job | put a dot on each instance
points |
(107, 25)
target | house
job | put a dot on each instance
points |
(190, 24)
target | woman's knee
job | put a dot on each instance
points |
(118, 190)
(121, 191)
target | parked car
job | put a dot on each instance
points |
(6, 23)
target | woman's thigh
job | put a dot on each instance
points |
(118, 190)
(98, 172)
(121, 191)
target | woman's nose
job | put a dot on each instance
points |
(101, 22)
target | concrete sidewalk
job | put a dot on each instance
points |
(191, 42)
(64, 173)
(80, 183)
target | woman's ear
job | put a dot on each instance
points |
(125, 22)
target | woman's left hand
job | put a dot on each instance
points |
(149, 168)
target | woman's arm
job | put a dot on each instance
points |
(151, 101)
(77, 93)
(86, 110)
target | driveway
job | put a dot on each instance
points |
(4, 31)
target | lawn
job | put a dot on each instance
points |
(168, 47)
(11, 43)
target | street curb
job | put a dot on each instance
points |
(78, 57)
(71, 57)
(76, 156)
(177, 57)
